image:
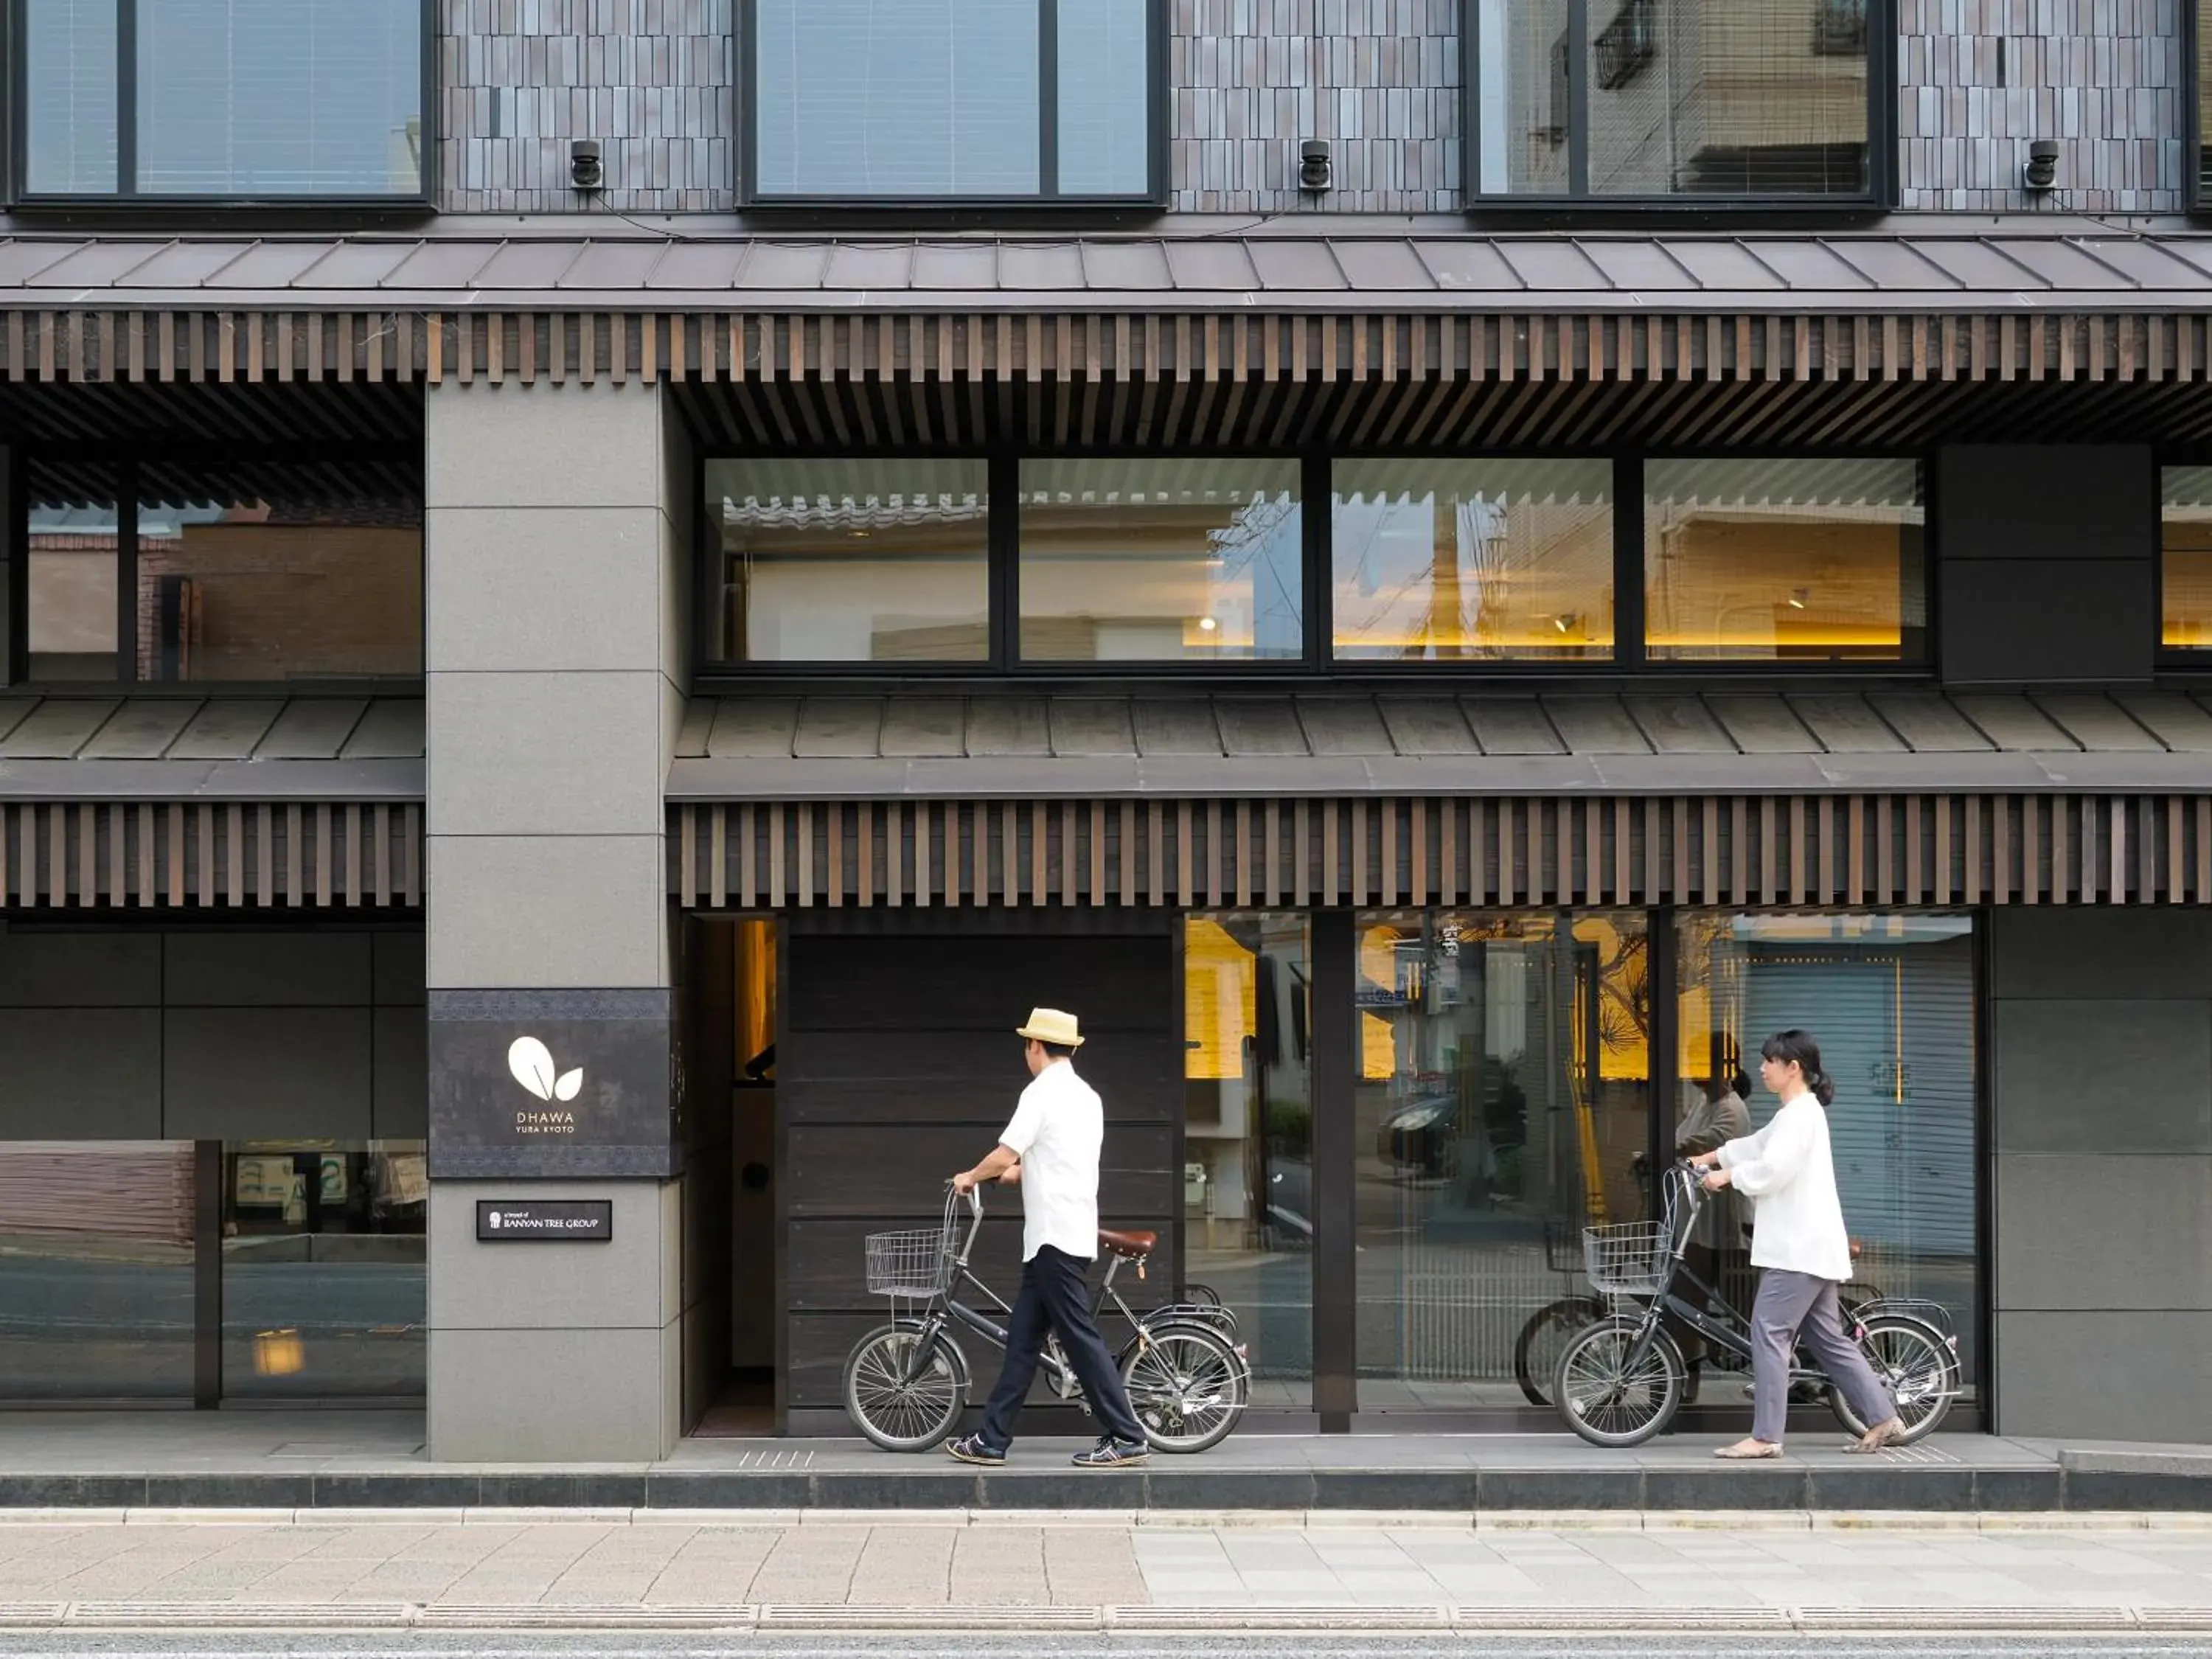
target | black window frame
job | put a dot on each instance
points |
(2175, 660)
(1316, 666)
(1048, 197)
(1584, 25)
(2195, 187)
(128, 461)
(127, 195)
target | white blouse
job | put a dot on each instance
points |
(1788, 1173)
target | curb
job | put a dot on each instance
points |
(1046, 1620)
(1943, 1521)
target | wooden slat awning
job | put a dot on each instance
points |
(1790, 850)
(80, 856)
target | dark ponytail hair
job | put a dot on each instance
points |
(1798, 1046)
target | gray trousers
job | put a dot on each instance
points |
(1792, 1308)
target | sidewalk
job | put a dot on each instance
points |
(305, 1460)
(1028, 1573)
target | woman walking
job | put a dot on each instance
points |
(1799, 1244)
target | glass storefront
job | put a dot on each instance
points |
(1247, 1138)
(323, 1286)
(1500, 1100)
(1891, 1000)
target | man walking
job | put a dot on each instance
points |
(1052, 1143)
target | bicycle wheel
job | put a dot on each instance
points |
(901, 1413)
(1918, 1368)
(1605, 1398)
(1536, 1353)
(1186, 1386)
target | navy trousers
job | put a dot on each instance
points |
(1054, 1297)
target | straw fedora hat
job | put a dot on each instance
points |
(1051, 1025)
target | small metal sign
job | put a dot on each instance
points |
(539, 1220)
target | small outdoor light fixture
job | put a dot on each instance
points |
(584, 169)
(2042, 164)
(1313, 169)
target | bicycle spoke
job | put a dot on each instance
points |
(1181, 1387)
(901, 1407)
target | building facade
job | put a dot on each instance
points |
(603, 593)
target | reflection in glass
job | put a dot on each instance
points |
(1474, 559)
(1744, 97)
(234, 587)
(96, 1270)
(323, 1286)
(1522, 58)
(1891, 1000)
(285, 98)
(1503, 1094)
(1248, 1134)
(2185, 540)
(1776, 561)
(1191, 561)
(71, 624)
(1105, 113)
(69, 90)
(885, 98)
(851, 561)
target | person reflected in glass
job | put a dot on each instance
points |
(1801, 1249)
(1714, 1252)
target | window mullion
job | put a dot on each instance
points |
(1048, 99)
(1628, 572)
(127, 97)
(1579, 98)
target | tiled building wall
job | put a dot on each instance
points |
(654, 81)
(1983, 79)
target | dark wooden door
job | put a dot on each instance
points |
(898, 1065)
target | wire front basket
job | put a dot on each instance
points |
(1629, 1257)
(915, 1261)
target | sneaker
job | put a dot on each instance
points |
(1110, 1453)
(970, 1449)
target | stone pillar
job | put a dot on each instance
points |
(556, 642)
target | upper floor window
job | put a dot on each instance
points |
(2185, 558)
(222, 100)
(894, 101)
(1635, 101)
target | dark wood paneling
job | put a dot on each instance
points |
(898, 1065)
(829, 1273)
(874, 1170)
(983, 985)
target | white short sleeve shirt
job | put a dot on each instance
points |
(1057, 1129)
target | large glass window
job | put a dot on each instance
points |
(1503, 1096)
(855, 561)
(74, 558)
(323, 1287)
(1670, 98)
(263, 99)
(1161, 561)
(1891, 1001)
(887, 101)
(1247, 1138)
(1454, 560)
(1784, 561)
(2185, 550)
(96, 1253)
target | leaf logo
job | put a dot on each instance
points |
(531, 1062)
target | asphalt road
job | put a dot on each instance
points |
(1227, 1645)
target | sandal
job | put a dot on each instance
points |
(1880, 1435)
(1745, 1450)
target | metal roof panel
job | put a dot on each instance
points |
(103, 263)
(600, 267)
(1301, 266)
(1511, 726)
(1469, 267)
(227, 729)
(1979, 265)
(925, 726)
(1344, 726)
(1640, 265)
(1218, 267)
(22, 262)
(1136, 267)
(2060, 262)
(2182, 726)
(143, 729)
(2147, 259)
(1763, 725)
(1428, 726)
(697, 268)
(1723, 265)
(956, 267)
(885, 267)
(1009, 726)
(782, 267)
(188, 264)
(312, 728)
(1553, 267)
(57, 728)
(838, 728)
(1846, 724)
(1928, 723)
(1803, 263)
(1383, 267)
(532, 267)
(753, 728)
(392, 729)
(267, 265)
(1679, 725)
(1893, 265)
(1596, 724)
(1260, 726)
(2012, 723)
(1041, 267)
(435, 267)
(2099, 723)
(1091, 725)
(1176, 727)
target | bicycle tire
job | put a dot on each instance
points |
(1536, 1351)
(912, 1416)
(1604, 1402)
(1917, 1364)
(1166, 1367)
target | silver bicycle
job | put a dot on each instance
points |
(1189, 1377)
(1620, 1382)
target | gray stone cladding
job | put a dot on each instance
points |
(654, 81)
(1980, 80)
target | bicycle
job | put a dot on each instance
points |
(1620, 1381)
(905, 1384)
